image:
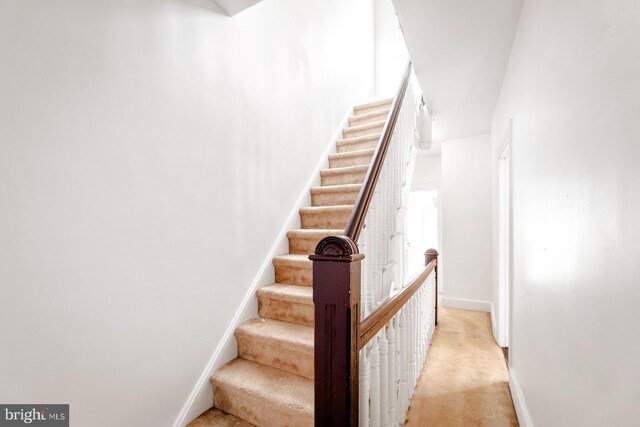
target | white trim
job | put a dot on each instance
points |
(504, 246)
(505, 147)
(494, 321)
(201, 396)
(524, 419)
(466, 304)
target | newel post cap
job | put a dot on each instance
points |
(429, 255)
(336, 248)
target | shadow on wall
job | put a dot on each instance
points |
(206, 5)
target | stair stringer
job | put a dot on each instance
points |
(200, 398)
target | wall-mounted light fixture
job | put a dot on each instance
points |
(422, 131)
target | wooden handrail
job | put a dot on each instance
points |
(359, 213)
(370, 326)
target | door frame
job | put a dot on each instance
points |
(505, 240)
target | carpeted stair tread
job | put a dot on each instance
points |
(293, 269)
(343, 175)
(366, 129)
(302, 233)
(372, 116)
(335, 188)
(304, 241)
(357, 143)
(289, 303)
(263, 395)
(282, 345)
(351, 158)
(217, 418)
(344, 170)
(323, 217)
(291, 293)
(370, 106)
(335, 195)
(299, 260)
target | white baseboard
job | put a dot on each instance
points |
(466, 304)
(524, 419)
(201, 396)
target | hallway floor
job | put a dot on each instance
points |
(465, 380)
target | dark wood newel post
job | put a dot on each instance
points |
(430, 255)
(336, 296)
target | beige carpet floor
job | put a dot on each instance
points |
(464, 381)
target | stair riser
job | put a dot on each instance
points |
(362, 159)
(322, 220)
(215, 417)
(287, 311)
(352, 133)
(294, 358)
(347, 148)
(343, 178)
(360, 120)
(334, 199)
(294, 275)
(256, 409)
(303, 246)
(360, 111)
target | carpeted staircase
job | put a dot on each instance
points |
(271, 381)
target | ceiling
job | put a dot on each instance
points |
(460, 50)
(233, 7)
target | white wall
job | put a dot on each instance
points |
(391, 54)
(572, 90)
(150, 152)
(465, 200)
(423, 230)
(427, 173)
(427, 176)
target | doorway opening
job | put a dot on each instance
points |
(422, 228)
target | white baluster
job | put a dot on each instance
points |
(374, 406)
(403, 349)
(384, 377)
(380, 237)
(423, 325)
(364, 245)
(418, 334)
(419, 330)
(414, 338)
(364, 387)
(411, 370)
(427, 315)
(392, 327)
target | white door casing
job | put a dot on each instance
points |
(504, 239)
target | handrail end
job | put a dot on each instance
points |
(336, 247)
(432, 252)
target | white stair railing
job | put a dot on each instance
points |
(390, 364)
(382, 240)
(366, 370)
(388, 378)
